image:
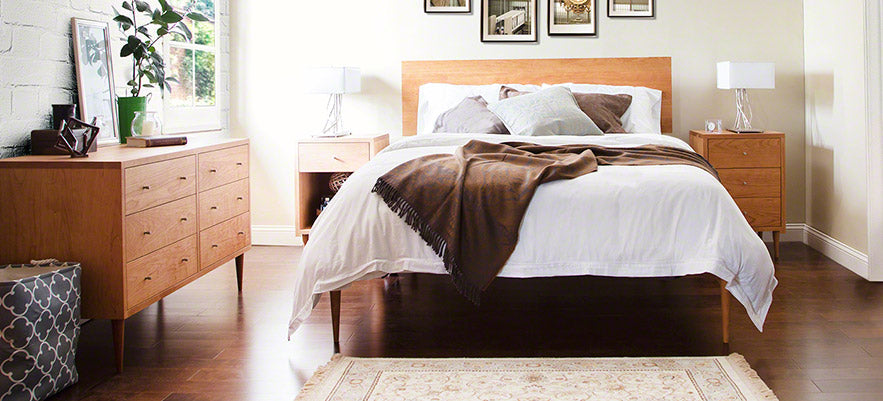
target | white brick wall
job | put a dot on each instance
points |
(37, 70)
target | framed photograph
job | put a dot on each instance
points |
(631, 8)
(508, 20)
(447, 6)
(573, 17)
(93, 61)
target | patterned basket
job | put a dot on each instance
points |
(39, 329)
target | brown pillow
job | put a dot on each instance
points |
(470, 116)
(605, 110)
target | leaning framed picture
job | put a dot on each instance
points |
(508, 20)
(93, 61)
(573, 17)
(447, 6)
(631, 8)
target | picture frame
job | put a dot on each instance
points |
(464, 7)
(96, 92)
(509, 21)
(631, 8)
(573, 18)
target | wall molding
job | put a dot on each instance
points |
(275, 235)
(843, 254)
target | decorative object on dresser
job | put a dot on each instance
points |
(78, 142)
(741, 77)
(60, 112)
(447, 6)
(142, 222)
(334, 81)
(319, 160)
(46, 141)
(505, 21)
(94, 68)
(631, 8)
(573, 17)
(752, 169)
(155, 141)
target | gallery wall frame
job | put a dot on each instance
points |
(636, 9)
(580, 18)
(450, 8)
(517, 23)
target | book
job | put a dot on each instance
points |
(154, 141)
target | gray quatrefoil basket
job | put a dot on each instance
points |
(39, 329)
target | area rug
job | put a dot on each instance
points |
(537, 379)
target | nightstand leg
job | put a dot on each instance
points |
(776, 245)
(240, 261)
(306, 237)
(119, 334)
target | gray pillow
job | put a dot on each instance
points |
(551, 111)
(471, 116)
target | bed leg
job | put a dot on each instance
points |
(725, 312)
(335, 316)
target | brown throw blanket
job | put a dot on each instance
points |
(468, 206)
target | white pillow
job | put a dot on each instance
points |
(550, 111)
(435, 99)
(645, 113)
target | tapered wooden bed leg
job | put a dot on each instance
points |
(725, 312)
(335, 315)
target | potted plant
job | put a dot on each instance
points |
(144, 26)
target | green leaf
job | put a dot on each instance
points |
(197, 16)
(127, 50)
(127, 6)
(149, 76)
(122, 19)
(148, 85)
(171, 17)
(156, 15)
(186, 32)
(142, 6)
(165, 5)
(172, 79)
(162, 32)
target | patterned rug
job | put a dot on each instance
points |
(536, 379)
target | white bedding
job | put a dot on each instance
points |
(622, 221)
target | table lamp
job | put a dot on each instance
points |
(741, 77)
(334, 81)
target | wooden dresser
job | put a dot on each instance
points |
(142, 221)
(752, 169)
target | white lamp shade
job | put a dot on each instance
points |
(732, 75)
(333, 80)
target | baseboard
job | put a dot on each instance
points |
(275, 235)
(794, 232)
(839, 252)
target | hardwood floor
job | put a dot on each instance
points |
(823, 339)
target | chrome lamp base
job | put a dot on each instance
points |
(743, 114)
(334, 124)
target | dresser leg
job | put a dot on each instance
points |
(119, 334)
(776, 245)
(240, 261)
(335, 315)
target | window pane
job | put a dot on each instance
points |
(203, 32)
(205, 78)
(181, 68)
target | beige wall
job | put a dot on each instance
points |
(269, 49)
(836, 169)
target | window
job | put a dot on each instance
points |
(191, 105)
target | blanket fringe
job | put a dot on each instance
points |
(412, 218)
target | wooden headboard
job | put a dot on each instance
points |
(650, 72)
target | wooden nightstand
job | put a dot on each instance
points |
(752, 169)
(318, 159)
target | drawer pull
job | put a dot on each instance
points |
(185, 260)
(147, 233)
(241, 233)
(183, 219)
(148, 278)
(213, 171)
(239, 198)
(146, 187)
(238, 163)
(337, 158)
(744, 153)
(214, 245)
(182, 177)
(744, 182)
(214, 208)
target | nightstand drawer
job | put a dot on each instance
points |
(222, 203)
(752, 182)
(223, 166)
(223, 239)
(154, 228)
(749, 152)
(337, 157)
(157, 183)
(157, 271)
(761, 212)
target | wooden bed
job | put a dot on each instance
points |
(650, 72)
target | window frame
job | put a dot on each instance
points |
(192, 119)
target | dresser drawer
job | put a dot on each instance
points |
(337, 157)
(223, 166)
(161, 182)
(223, 239)
(761, 212)
(157, 271)
(752, 182)
(749, 152)
(222, 203)
(154, 228)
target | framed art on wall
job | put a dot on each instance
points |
(631, 8)
(508, 20)
(447, 6)
(573, 17)
(92, 58)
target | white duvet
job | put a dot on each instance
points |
(621, 221)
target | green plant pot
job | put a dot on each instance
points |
(127, 107)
